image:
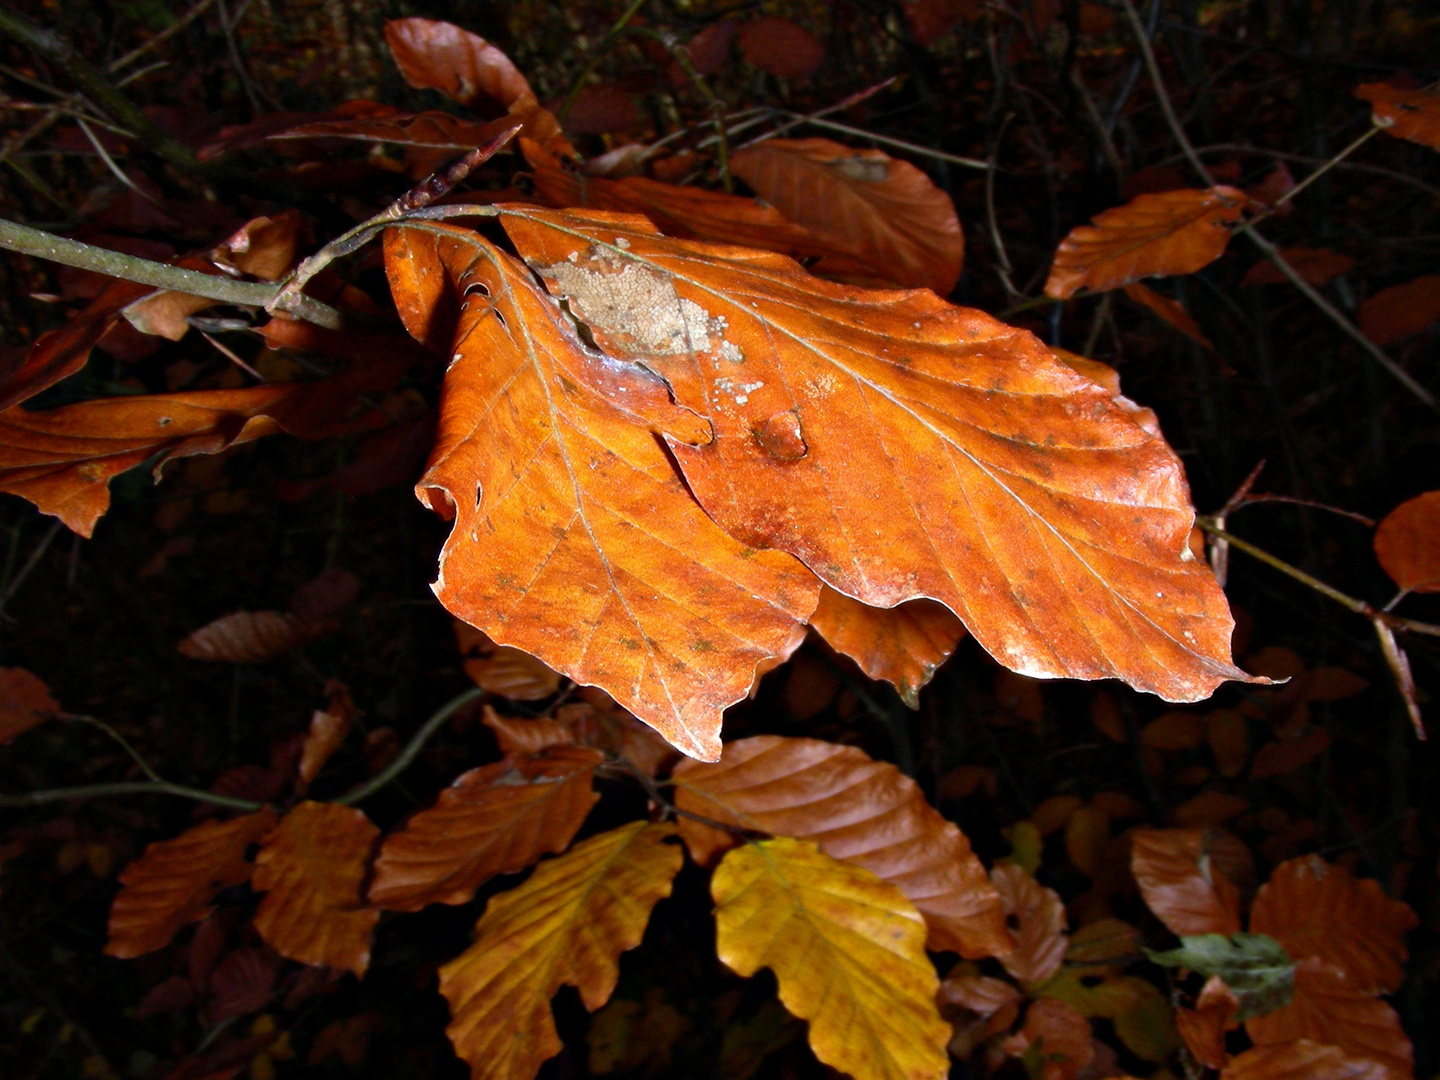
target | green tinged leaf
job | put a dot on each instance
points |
(1255, 966)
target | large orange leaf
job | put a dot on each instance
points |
(865, 812)
(1328, 1008)
(1301, 1059)
(1039, 914)
(1407, 543)
(847, 949)
(886, 211)
(905, 448)
(1181, 882)
(1406, 113)
(1153, 235)
(25, 701)
(174, 881)
(1316, 909)
(496, 819)
(310, 869)
(567, 924)
(903, 645)
(574, 539)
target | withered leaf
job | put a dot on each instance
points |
(1153, 235)
(574, 539)
(567, 924)
(1301, 1059)
(886, 211)
(903, 645)
(1407, 543)
(174, 881)
(248, 637)
(1040, 939)
(1401, 311)
(496, 819)
(1168, 310)
(903, 448)
(1412, 114)
(25, 701)
(861, 811)
(847, 949)
(1182, 884)
(780, 46)
(310, 869)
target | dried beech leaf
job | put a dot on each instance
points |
(980, 994)
(1407, 543)
(248, 637)
(1401, 311)
(903, 645)
(567, 924)
(574, 539)
(1153, 235)
(328, 728)
(903, 448)
(886, 211)
(1316, 909)
(512, 673)
(1315, 265)
(1040, 939)
(174, 881)
(1060, 1033)
(525, 735)
(1301, 1059)
(1182, 884)
(428, 130)
(1169, 311)
(25, 701)
(781, 47)
(1328, 1008)
(1404, 113)
(496, 819)
(861, 811)
(847, 949)
(310, 869)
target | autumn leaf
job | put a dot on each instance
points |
(328, 728)
(1315, 265)
(574, 539)
(1141, 1014)
(1316, 909)
(496, 819)
(1168, 311)
(310, 869)
(511, 673)
(1405, 113)
(903, 645)
(248, 637)
(1258, 970)
(861, 811)
(905, 448)
(1407, 543)
(1153, 235)
(1058, 1035)
(1203, 1028)
(1328, 1008)
(890, 214)
(847, 949)
(1181, 883)
(429, 130)
(25, 701)
(1301, 1059)
(1038, 915)
(781, 47)
(174, 881)
(567, 924)
(1401, 311)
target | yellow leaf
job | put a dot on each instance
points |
(567, 924)
(847, 949)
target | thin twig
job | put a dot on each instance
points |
(127, 787)
(1305, 159)
(886, 140)
(124, 743)
(596, 54)
(34, 560)
(150, 43)
(417, 742)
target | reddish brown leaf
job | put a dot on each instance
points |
(25, 701)
(858, 810)
(1168, 310)
(903, 645)
(866, 435)
(1328, 1008)
(521, 735)
(497, 819)
(930, 20)
(1301, 1059)
(1207, 809)
(310, 869)
(980, 993)
(710, 48)
(1182, 884)
(1060, 1034)
(428, 130)
(174, 881)
(324, 596)
(1401, 311)
(567, 924)
(781, 47)
(242, 983)
(1282, 756)
(1315, 265)
(1153, 235)
(886, 211)
(1278, 183)
(574, 539)
(1407, 543)
(1038, 915)
(1203, 1027)
(248, 637)
(175, 994)
(440, 56)
(328, 728)
(505, 671)
(1404, 113)
(603, 110)
(1316, 909)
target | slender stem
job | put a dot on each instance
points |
(1323, 169)
(124, 743)
(681, 56)
(126, 787)
(150, 43)
(407, 756)
(886, 140)
(225, 290)
(13, 586)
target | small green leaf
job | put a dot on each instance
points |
(1255, 966)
